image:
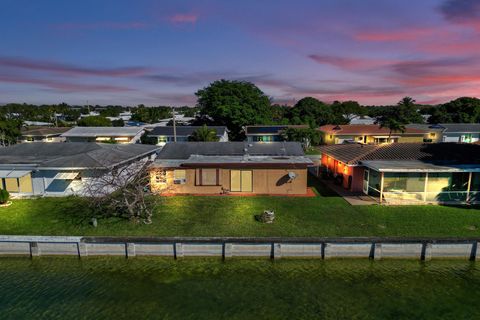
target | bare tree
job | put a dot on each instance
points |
(121, 192)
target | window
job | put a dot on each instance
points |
(162, 139)
(30, 139)
(179, 176)
(241, 181)
(206, 177)
(11, 184)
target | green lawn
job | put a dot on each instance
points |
(325, 215)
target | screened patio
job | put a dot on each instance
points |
(405, 182)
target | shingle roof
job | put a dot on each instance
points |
(449, 127)
(102, 131)
(364, 129)
(185, 149)
(72, 154)
(432, 152)
(44, 131)
(183, 130)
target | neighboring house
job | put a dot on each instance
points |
(37, 123)
(230, 167)
(371, 134)
(165, 135)
(42, 134)
(104, 134)
(363, 120)
(453, 132)
(407, 173)
(61, 169)
(274, 133)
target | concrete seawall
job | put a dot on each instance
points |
(275, 248)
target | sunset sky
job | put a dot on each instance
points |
(161, 52)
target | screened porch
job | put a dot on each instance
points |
(410, 182)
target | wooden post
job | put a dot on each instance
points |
(381, 186)
(469, 186)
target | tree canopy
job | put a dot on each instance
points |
(94, 121)
(310, 111)
(204, 134)
(234, 104)
(461, 110)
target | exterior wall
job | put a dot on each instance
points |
(357, 179)
(370, 139)
(264, 181)
(25, 139)
(457, 137)
(339, 168)
(94, 139)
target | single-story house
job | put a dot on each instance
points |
(164, 135)
(230, 167)
(264, 133)
(406, 173)
(453, 132)
(104, 134)
(373, 134)
(61, 169)
(42, 134)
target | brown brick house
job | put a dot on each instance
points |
(230, 167)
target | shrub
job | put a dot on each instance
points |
(4, 196)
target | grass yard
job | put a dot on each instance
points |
(325, 215)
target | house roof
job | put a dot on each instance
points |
(364, 129)
(44, 131)
(233, 154)
(277, 129)
(72, 155)
(102, 131)
(416, 166)
(433, 152)
(449, 127)
(183, 130)
(184, 150)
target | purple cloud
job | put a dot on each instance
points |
(38, 65)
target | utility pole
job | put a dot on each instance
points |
(174, 125)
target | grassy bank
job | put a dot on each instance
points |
(325, 215)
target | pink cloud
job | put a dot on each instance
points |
(350, 63)
(395, 35)
(64, 86)
(183, 18)
(37, 65)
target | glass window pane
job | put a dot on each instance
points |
(209, 177)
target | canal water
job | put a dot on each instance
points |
(113, 288)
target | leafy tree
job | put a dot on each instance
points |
(307, 136)
(111, 111)
(151, 114)
(344, 112)
(94, 121)
(234, 104)
(461, 110)
(310, 111)
(9, 131)
(204, 134)
(118, 123)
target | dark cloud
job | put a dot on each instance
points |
(48, 66)
(63, 86)
(461, 10)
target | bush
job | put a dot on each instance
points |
(4, 196)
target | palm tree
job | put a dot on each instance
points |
(392, 124)
(204, 134)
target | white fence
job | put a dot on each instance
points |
(275, 248)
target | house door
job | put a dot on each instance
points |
(366, 176)
(241, 181)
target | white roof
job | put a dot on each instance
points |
(13, 173)
(102, 131)
(66, 175)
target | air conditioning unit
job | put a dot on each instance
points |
(179, 181)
